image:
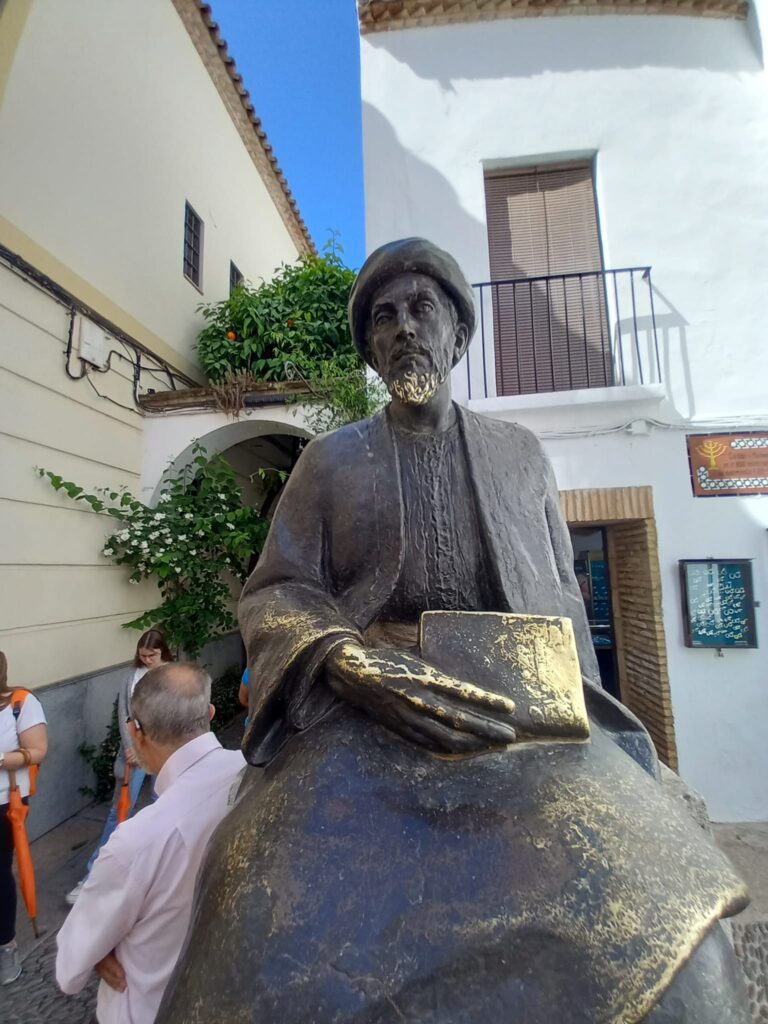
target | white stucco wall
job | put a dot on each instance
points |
(674, 112)
(168, 440)
(110, 121)
(720, 704)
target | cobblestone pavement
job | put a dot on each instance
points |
(35, 998)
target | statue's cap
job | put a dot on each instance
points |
(407, 255)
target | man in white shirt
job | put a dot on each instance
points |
(131, 918)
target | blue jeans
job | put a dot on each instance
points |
(134, 788)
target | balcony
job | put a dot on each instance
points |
(565, 332)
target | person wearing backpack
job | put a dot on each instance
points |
(23, 743)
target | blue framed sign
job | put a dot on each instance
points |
(718, 602)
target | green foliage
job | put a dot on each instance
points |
(293, 327)
(225, 697)
(102, 760)
(195, 543)
(295, 323)
(343, 399)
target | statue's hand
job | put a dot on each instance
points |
(419, 702)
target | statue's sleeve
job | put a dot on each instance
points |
(288, 617)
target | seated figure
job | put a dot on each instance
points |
(404, 847)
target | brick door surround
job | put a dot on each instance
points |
(626, 514)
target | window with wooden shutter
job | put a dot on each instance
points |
(549, 317)
(193, 247)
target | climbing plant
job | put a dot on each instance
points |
(194, 543)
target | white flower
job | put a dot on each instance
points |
(201, 533)
(136, 582)
(134, 543)
(193, 551)
(189, 515)
(144, 545)
(159, 515)
(222, 497)
(182, 536)
(123, 535)
(229, 526)
(108, 552)
(155, 533)
(164, 497)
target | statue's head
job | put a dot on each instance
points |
(412, 315)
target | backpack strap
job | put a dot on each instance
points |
(17, 703)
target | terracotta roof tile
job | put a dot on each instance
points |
(385, 15)
(197, 17)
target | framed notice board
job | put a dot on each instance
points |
(718, 602)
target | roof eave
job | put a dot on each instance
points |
(390, 15)
(197, 18)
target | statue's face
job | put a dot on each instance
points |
(414, 336)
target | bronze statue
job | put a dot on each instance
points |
(447, 827)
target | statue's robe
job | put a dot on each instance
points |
(361, 878)
(335, 552)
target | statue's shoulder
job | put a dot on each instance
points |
(338, 447)
(512, 439)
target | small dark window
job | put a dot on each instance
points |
(193, 247)
(235, 277)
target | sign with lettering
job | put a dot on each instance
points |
(718, 603)
(728, 464)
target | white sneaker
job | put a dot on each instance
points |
(71, 897)
(10, 963)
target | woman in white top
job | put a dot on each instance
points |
(23, 741)
(151, 650)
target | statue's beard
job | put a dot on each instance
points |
(412, 388)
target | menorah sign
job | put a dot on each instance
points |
(712, 450)
(728, 464)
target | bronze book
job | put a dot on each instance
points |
(531, 659)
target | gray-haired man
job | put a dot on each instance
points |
(131, 918)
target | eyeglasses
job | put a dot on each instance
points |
(136, 722)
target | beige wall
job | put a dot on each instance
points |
(110, 121)
(61, 602)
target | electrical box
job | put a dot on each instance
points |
(94, 344)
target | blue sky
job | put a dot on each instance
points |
(300, 62)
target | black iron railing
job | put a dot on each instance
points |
(564, 332)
